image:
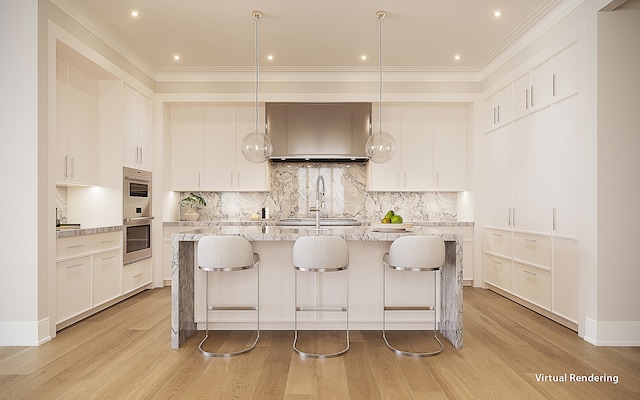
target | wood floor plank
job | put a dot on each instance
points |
(125, 352)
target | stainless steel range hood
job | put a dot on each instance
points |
(318, 131)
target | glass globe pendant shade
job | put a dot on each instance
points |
(257, 147)
(380, 147)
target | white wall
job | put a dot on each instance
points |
(618, 163)
(19, 239)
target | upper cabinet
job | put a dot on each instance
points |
(206, 153)
(137, 129)
(77, 125)
(498, 109)
(565, 73)
(430, 149)
(533, 91)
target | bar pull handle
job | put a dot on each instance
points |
(66, 161)
(107, 258)
(532, 96)
(73, 167)
(75, 266)
(494, 115)
(554, 219)
(530, 240)
(526, 99)
(553, 85)
(75, 246)
(498, 112)
(529, 272)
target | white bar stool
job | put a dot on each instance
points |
(228, 254)
(414, 253)
(320, 254)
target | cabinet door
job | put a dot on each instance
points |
(250, 177)
(566, 73)
(186, 147)
(219, 144)
(83, 128)
(145, 160)
(541, 90)
(387, 176)
(107, 268)
(565, 278)
(521, 97)
(497, 177)
(136, 275)
(531, 172)
(503, 106)
(450, 147)
(62, 119)
(130, 128)
(418, 148)
(565, 174)
(73, 287)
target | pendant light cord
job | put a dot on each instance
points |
(256, 17)
(381, 16)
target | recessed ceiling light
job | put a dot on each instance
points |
(269, 57)
(456, 57)
(363, 57)
(135, 13)
(176, 57)
(497, 13)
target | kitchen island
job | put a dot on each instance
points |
(275, 243)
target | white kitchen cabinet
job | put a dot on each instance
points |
(106, 276)
(565, 73)
(73, 287)
(532, 284)
(77, 125)
(497, 178)
(137, 129)
(88, 275)
(206, 153)
(136, 275)
(566, 138)
(531, 168)
(534, 90)
(498, 272)
(564, 278)
(430, 149)
(498, 109)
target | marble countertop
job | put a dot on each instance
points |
(277, 233)
(272, 222)
(62, 233)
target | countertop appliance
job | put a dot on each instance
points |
(318, 131)
(137, 218)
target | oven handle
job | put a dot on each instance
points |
(137, 219)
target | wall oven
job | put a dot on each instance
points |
(137, 217)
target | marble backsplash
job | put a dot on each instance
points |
(293, 194)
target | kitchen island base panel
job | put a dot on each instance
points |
(277, 287)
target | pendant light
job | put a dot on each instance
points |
(380, 146)
(256, 146)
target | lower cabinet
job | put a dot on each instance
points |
(73, 287)
(538, 271)
(90, 275)
(136, 275)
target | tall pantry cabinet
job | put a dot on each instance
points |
(531, 183)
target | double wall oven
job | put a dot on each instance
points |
(137, 217)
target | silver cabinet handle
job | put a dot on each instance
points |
(530, 240)
(497, 262)
(498, 112)
(137, 275)
(75, 246)
(107, 241)
(526, 99)
(141, 155)
(531, 96)
(553, 85)
(66, 161)
(108, 258)
(75, 265)
(494, 116)
(554, 219)
(513, 217)
(497, 234)
(529, 272)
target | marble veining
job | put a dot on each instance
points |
(293, 193)
(88, 231)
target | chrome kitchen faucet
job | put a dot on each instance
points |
(319, 200)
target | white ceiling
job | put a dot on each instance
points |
(418, 35)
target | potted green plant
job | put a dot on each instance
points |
(193, 200)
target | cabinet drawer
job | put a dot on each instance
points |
(136, 275)
(498, 272)
(85, 244)
(498, 242)
(73, 287)
(532, 249)
(532, 284)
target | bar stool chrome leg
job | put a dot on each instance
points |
(410, 308)
(233, 308)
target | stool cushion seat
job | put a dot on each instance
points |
(317, 253)
(225, 252)
(422, 252)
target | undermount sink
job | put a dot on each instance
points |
(323, 222)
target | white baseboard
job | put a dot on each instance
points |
(612, 333)
(24, 333)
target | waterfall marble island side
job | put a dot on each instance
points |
(275, 244)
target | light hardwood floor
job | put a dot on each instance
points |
(124, 353)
